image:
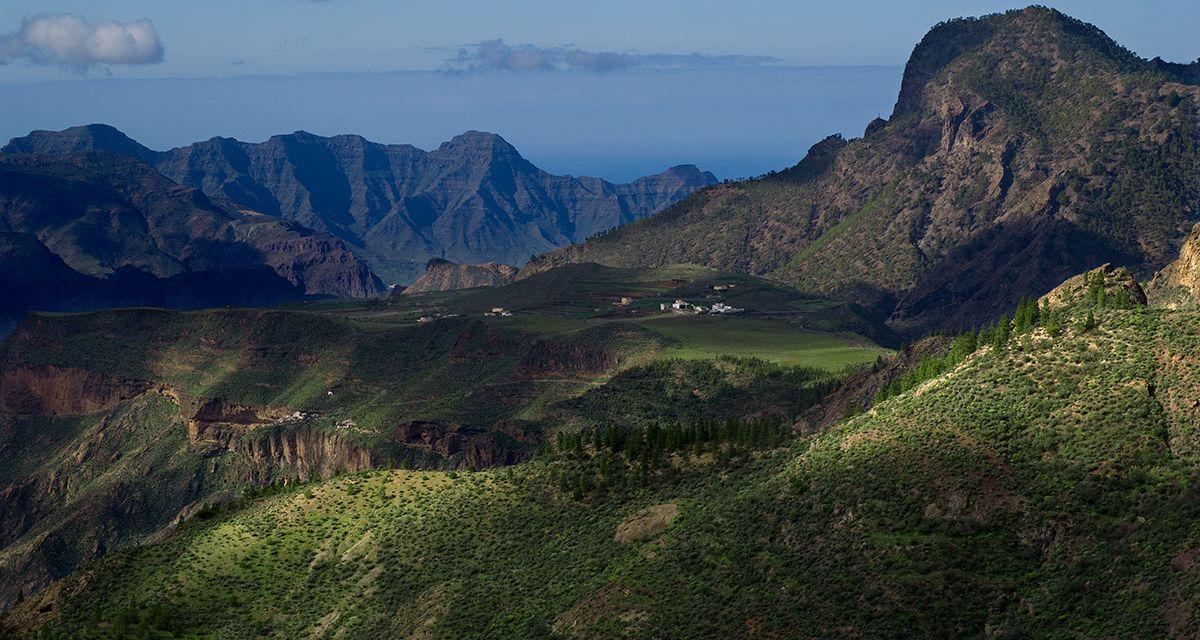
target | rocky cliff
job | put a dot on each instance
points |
(1178, 284)
(474, 199)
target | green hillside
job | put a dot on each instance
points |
(1048, 489)
(114, 425)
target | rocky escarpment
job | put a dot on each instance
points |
(48, 390)
(503, 443)
(443, 275)
(302, 454)
(474, 199)
(1178, 285)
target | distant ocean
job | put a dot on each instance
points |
(735, 122)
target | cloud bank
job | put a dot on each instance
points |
(496, 55)
(68, 40)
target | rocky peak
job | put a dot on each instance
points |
(1019, 38)
(478, 144)
(92, 137)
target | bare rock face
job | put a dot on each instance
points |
(504, 443)
(443, 275)
(1178, 284)
(301, 454)
(54, 391)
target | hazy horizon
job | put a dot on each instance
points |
(613, 126)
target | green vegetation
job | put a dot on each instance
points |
(694, 391)
(1048, 489)
(702, 337)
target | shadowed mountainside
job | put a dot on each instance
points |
(473, 199)
(95, 229)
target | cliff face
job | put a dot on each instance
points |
(1025, 147)
(474, 199)
(504, 443)
(300, 454)
(1178, 284)
(443, 275)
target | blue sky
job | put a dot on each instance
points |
(629, 101)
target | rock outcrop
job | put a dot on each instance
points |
(300, 454)
(1117, 283)
(1178, 284)
(443, 275)
(504, 443)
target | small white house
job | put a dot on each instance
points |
(721, 307)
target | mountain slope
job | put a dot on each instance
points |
(109, 231)
(1047, 489)
(473, 199)
(1024, 147)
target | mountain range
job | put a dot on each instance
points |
(1023, 148)
(96, 229)
(612, 442)
(473, 199)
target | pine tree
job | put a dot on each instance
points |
(1001, 333)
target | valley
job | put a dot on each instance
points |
(937, 381)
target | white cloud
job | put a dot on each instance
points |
(69, 40)
(496, 55)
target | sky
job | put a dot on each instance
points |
(608, 88)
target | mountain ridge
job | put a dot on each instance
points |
(473, 199)
(1025, 147)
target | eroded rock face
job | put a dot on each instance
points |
(443, 275)
(1177, 286)
(301, 454)
(217, 422)
(504, 443)
(56, 391)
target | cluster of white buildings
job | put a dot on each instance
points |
(499, 312)
(682, 306)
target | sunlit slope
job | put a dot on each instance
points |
(1047, 490)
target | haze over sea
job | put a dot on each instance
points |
(734, 122)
